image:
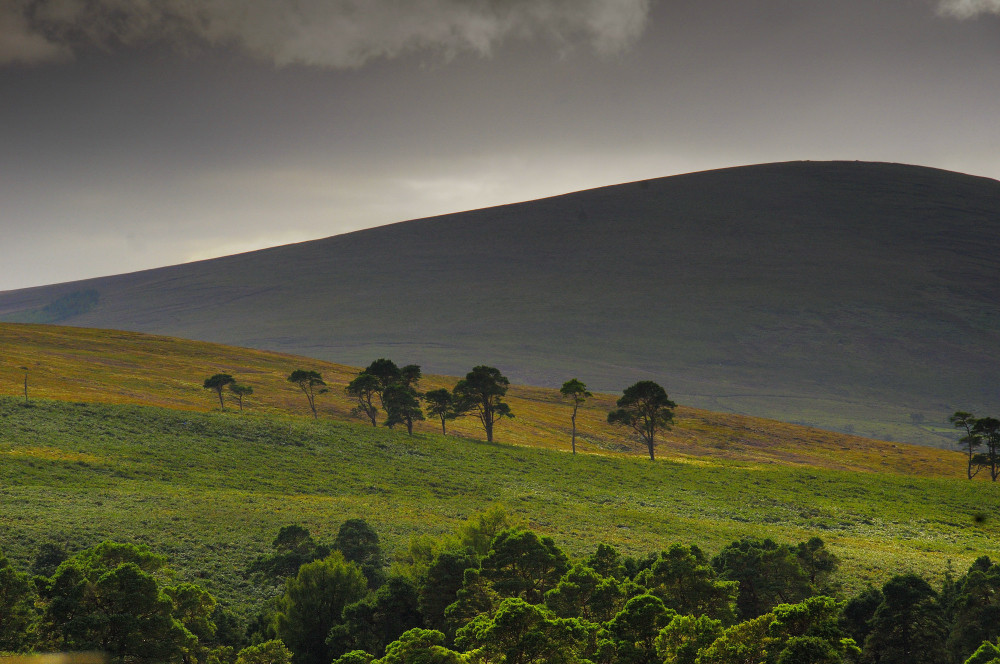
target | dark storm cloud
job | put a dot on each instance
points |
(322, 33)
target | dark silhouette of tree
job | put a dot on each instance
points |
(683, 578)
(975, 609)
(645, 408)
(17, 608)
(365, 388)
(482, 391)
(966, 422)
(768, 574)
(359, 543)
(577, 393)
(293, 548)
(521, 564)
(988, 431)
(379, 619)
(908, 626)
(441, 404)
(218, 382)
(311, 383)
(402, 406)
(386, 373)
(443, 581)
(313, 603)
(241, 392)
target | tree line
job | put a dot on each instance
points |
(385, 387)
(494, 592)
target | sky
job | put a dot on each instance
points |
(141, 133)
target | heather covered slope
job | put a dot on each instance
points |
(853, 296)
(113, 367)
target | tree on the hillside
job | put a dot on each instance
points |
(482, 391)
(112, 598)
(966, 422)
(522, 633)
(909, 626)
(988, 431)
(241, 392)
(17, 608)
(682, 577)
(975, 609)
(313, 603)
(577, 393)
(365, 388)
(386, 373)
(634, 630)
(359, 543)
(293, 548)
(768, 574)
(311, 383)
(441, 404)
(374, 622)
(402, 406)
(645, 408)
(218, 382)
(522, 564)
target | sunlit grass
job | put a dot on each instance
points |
(102, 366)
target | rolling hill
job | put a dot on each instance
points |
(853, 296)
(120, 441)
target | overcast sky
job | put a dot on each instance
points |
(136, 134)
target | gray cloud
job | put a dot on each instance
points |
(321, 33)
(969, 8)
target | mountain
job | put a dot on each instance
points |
(854, 296)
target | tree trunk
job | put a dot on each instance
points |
(222, 403)
(573, 420)
(649, 442)
(488, 425)
(443, 432)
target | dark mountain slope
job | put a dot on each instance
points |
(842, 294)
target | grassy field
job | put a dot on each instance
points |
(85, 461)
(212, 489)
(852, 296)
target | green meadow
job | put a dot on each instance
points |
(211, 490)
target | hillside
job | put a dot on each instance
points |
(106, 366)
(211, 490)
(853, 296)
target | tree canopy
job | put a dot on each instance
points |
(311, 383)
(482, 392)
(577, 393)
(645, 408)
(218, 382)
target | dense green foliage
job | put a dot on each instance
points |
(519, 602)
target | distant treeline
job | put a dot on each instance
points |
(384, 386)
(493, 592)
